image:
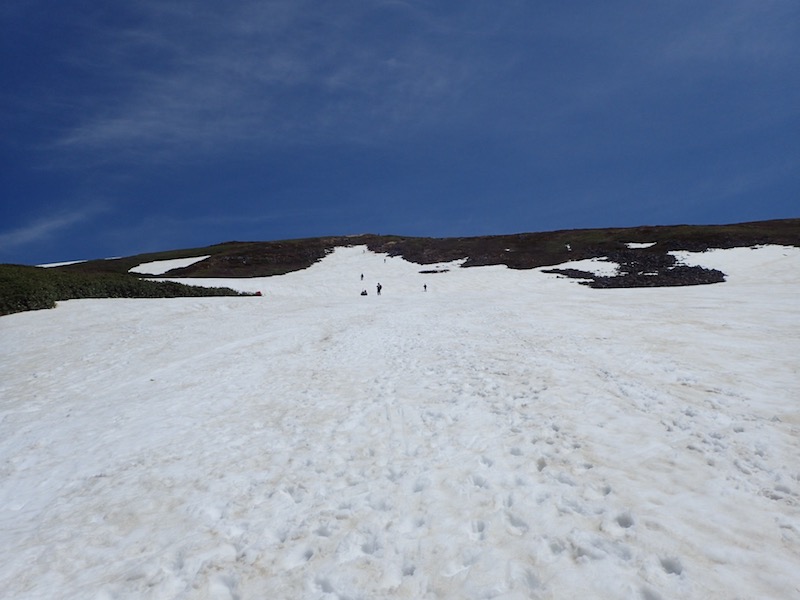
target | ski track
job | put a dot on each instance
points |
(466, 442)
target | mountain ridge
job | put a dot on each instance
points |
(236, 259)
(528, 250)
(644, 256)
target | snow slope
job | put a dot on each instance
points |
(160, 267)
(506, 434)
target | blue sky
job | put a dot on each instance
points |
(130, 127)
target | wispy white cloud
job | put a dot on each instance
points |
(183, 80)
(265, 72)
(45, 228)
(738, 31)
(678, 70)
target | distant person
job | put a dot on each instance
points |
(363, 292)
(425, 287)
(362, 277)
(380, 287)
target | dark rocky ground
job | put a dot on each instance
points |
(644, 267)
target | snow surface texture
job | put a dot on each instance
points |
(506, 434)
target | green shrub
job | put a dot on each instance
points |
(32, 288)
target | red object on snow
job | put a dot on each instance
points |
(258, 293)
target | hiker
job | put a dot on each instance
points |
(380, 287)
(362, 277)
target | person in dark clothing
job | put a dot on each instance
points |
(380, 287)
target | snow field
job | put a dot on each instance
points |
(507, 434)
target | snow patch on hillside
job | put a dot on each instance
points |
(760, 265)
(159, 267)
(61, 264)
(601, 267)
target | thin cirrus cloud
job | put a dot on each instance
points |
(189, 77)
(45, 228)
(267, 73)
(737, 32)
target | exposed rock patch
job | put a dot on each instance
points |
(643, 268)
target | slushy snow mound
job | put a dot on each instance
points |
(500, 434)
